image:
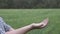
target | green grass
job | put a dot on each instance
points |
(21, 17)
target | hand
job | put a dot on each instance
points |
(40, 25)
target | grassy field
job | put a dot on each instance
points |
(21, 17)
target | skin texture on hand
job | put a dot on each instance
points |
(41, 25)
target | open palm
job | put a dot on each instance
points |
(41, 24)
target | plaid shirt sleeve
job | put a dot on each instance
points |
(6, 26)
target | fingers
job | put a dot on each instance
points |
(44, 22)
(41, 25)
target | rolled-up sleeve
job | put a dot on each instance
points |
(2, 32)
(6, 26)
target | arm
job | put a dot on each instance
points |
(27, 28)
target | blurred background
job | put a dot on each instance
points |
(29, 4)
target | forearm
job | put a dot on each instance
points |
(22, 30)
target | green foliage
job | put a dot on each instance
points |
(29, 4)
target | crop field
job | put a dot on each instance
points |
(18, 18)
